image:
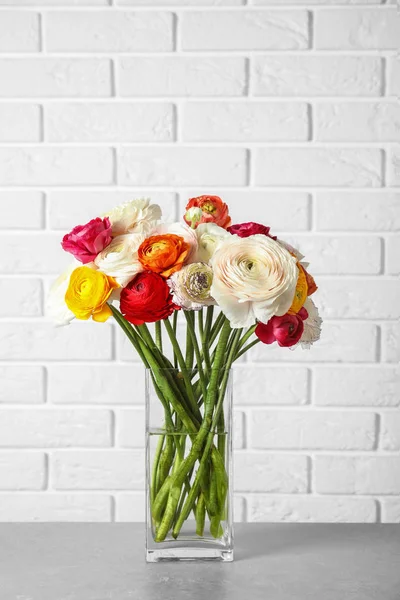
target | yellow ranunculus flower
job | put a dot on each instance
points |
(300, 295)
(88, 292)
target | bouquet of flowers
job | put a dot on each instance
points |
(236, 285)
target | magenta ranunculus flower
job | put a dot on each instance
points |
(86, 241)
(244, 230)
(286, 330)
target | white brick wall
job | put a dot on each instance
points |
(289, 110)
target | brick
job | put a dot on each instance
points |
(20, 123)
(55, 77)
(176, 166)
(245, 30)
(181, 2)
(346, 167)
(270, 473)
(393, 166)
(130, 508)
(357, 122)
(20, 297)
(323, 2)
(311, 509)
(310, 429)
(345, 342)
(49, 507)
(19, 32)
(336, 255)
(357, 386)
(317, 76)
(54, 428)
(29, 253)
(391, 342)
(24, 210)
(357, 474)
(21, 385)
(287, 211)
(390, 431)
(130, 427)
(109, 31)
(43, 341)
(67, 208)
(22, 470)
(239, 429)
(55, 166)
(357, 29)
(394, 75)
(358, 211)
(56, 2)
(96, 384)
(121, 122)
(390, 510)
(181, 76)
(250, 121)
(270, 385)
(345, 298)
(100, 470)
(393, 255)
(239, 509)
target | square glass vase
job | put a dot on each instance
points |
(189, 496)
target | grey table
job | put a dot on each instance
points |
(273, 562)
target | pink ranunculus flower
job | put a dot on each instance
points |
(286, 330)
(244, 230)
(86, 241)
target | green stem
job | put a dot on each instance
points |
(195, 344)
(158, 336)
(246, 348)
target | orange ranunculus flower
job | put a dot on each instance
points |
(163, 254)
(207, 209)
(88, 292)
(312, 286)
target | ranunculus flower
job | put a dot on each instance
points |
(146, 299)
(84, 242)
(88, 292)
(254, 279)
(301, 292)
(213, 210)
(136, 216)
(209, 237)
(183, 230)
(244, 230)
(163, 254)
(120, 258)
(312, 325)
(56, 308)
(191, 286)
(286, 330)
(311, 285)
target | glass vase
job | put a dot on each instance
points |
(189, 499)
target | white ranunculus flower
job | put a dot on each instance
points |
(190, 287)
(209, 237)
(136, 216)
(120, 259)
(312, 326)
(254, 279)
(56, 308)
(183, 230)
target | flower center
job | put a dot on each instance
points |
(209, 207)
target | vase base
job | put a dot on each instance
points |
(189, 554)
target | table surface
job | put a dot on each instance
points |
(272, 562)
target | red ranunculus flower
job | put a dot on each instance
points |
(146, 299)
(246, 229)
(286, 330)
(86, 241)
